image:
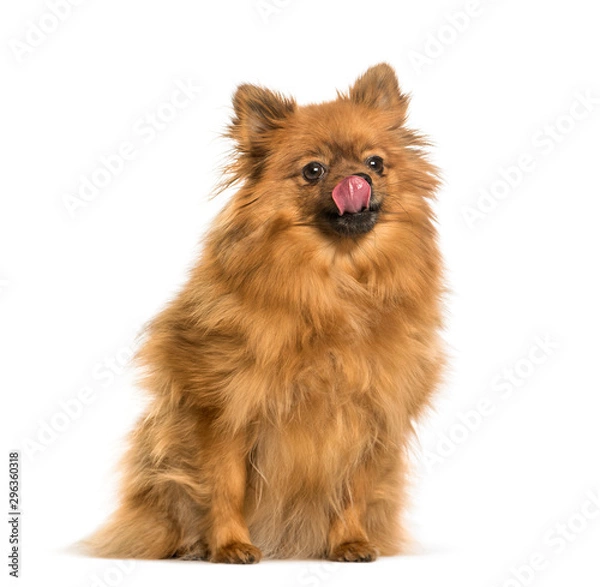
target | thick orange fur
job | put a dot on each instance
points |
(286, 375)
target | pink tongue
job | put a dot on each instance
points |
(352, 194)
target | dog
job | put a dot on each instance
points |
(286, 376)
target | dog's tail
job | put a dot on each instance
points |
(133, 533)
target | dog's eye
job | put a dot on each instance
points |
(313, 171)
(375, 163)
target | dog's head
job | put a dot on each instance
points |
(342, 167)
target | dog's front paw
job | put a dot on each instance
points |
(237, 553)
(358, 551)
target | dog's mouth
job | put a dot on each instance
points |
(356, 210)
(353, 223)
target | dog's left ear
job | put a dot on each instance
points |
(258, 112)
(378, 88)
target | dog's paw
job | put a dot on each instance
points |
(237, 553)
(358, 551)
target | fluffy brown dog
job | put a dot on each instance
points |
(286, 375)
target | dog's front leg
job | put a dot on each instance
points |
(229, 540)
(348, 540)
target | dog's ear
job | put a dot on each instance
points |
(378, 88)
(257, 112)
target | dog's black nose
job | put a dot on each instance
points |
(366, 177)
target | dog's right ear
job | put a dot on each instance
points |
(378, 88)
(257, 112)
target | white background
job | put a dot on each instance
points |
(504, 88)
